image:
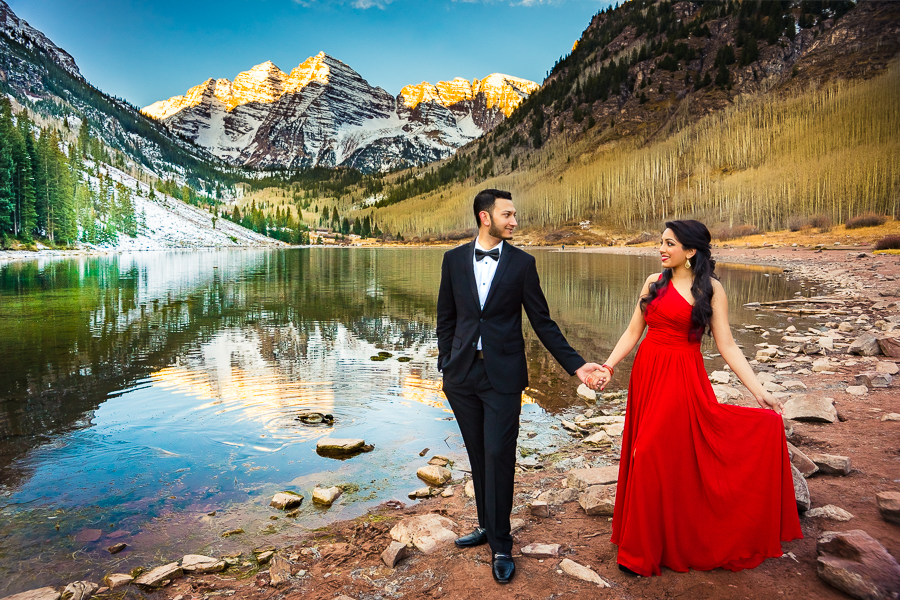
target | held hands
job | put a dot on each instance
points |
(594, 376)
(768, 401)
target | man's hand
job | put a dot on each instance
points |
(585, 371)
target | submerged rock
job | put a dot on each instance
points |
(326, 496)
(285, 500)
(339, 447)
(155, 577)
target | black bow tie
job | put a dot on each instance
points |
(480, 254)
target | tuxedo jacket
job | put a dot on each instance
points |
(460, 319)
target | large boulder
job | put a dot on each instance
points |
(865, 345)
(801, 490)
(855, 563)
(582, 479)
(889, 506)
(426, 532)
(810, 408)
(598, 500)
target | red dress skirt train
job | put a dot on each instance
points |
(701, 484)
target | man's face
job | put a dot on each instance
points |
(502, 219)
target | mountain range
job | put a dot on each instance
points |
(323, 113)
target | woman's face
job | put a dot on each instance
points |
(672, 254)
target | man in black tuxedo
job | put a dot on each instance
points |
(481, 351)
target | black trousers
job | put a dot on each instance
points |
(489, 423)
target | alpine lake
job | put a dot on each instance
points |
(141, 392)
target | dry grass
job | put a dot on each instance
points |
(831, 152)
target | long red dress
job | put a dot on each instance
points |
(701, 484)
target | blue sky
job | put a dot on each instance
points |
(144, 50)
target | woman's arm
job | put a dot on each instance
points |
(626, 343)
(732, 354)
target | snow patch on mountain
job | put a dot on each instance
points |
(19, 30)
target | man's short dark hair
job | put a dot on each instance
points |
(485, 201)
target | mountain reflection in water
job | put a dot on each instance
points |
(140, 392)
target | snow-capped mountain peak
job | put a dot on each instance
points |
(324, 113)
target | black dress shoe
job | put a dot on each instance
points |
(476, 538)
(628, 571)
(503, 567)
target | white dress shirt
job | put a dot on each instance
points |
(484, 275)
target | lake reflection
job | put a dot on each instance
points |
(140, 392)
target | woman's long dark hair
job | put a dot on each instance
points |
(692, 235)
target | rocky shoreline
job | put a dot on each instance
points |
(837, 374)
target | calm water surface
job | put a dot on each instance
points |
(140, 392)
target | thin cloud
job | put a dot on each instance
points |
(360, 4)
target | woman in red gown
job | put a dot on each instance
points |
(701, 484)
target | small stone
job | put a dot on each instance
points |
(116, 548)
(79, 590)
(586, 392)
(887, 367)
(117, 580)
(820, 366)
(794, 385)
(447, 493)
(279, 571)
(854, 562)
(44, 593)
(874, 379)
(615, 430)
(292, 514)
(155, 577)
(326, 496)
(865, 345)
(889, 506)
(394, 553)
(265, 556)
(334, 446)
(559, 496)
(572, 427)
(801, 490)
(285, 500)
(810, 408)
(764, 377)
(600, 438)
(516, 524)
(232, 532)
(830, 511)
(434, 475)
(426, 532)
(831, 464)
(539, 508)
(581, 479)
(801, 461)
(845, 327)
(199, 564)
(722, 377)
(857, 390)
(891, 417)
(726, 393)
(541, 550)
(470, 489)
(425, 492)
(770, 386)
(581, 572)
(598, 500)
(441, 461)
